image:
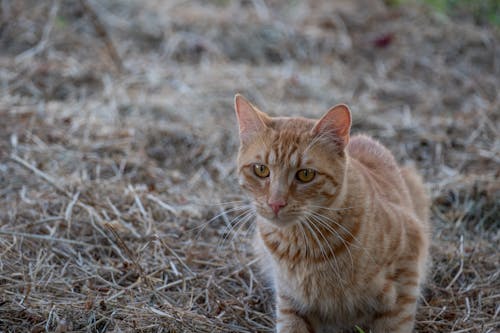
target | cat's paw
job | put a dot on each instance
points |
(293, 324)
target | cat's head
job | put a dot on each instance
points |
(291, 166)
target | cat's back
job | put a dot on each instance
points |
(380, 169)
(371, 153)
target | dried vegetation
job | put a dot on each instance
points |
(117, 146)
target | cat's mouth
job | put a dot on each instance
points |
(282, 219)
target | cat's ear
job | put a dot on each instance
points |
(336, 124)
(250, 120)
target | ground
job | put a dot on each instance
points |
(118, 192)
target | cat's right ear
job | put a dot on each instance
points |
(250, 120)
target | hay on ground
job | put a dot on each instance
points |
(118, 193)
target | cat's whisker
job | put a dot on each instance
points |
(329, 219)
(335, 209)
(323, 219)
(241, 220)
(224, 212)
(332, 230)
(230, 226)
(333, 264)
(327, 243)
(238, 226)
(251, 229)
(319, 219)
(308, 228)
(306, 243)
(356, 244)
(233, 231)
(221, 203)
(305, 230)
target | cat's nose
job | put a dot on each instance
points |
(276, 205)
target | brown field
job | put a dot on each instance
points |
(118, 191)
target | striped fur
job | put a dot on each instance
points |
(350, 247)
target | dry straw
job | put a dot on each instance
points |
(118, 194)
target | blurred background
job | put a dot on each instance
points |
(118, 193)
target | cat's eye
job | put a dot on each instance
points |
(305, 175)
(261, 170)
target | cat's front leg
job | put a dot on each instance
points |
(289, 320)
(400, 319)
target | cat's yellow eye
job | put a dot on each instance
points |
(305, 175)
(261, 170)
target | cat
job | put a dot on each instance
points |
(342, 231)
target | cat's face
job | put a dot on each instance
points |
(291, 166)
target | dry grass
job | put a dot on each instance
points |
(109, 175)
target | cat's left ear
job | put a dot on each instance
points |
(336, 123)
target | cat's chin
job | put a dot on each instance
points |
(278, 221)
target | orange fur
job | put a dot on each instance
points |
(347, 248)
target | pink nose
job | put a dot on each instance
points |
(277, 205)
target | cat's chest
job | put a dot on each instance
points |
(310, 280)
(323, 291)
(325, 299)
(312, 283)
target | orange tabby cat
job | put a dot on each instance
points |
(342, 229)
